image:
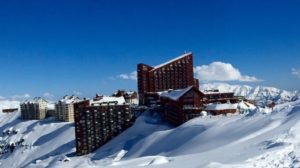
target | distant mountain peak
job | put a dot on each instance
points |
(261, 94)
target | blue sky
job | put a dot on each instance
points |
(60, 47)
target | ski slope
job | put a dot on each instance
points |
(253, 140)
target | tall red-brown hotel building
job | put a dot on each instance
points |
(177, 73)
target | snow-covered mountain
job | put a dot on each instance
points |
(256, 140)
(261, 94)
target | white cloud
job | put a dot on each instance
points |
(131, 76)
(124, 76)
(296, 72)
(220, 71)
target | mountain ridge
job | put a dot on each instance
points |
(261, 94)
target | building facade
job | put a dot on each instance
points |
(34, 110)
(98, 121)
(174, 74)
(181, 105)
(64, 108)
(215, 96)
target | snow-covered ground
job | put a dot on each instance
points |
(5, 104)
(253, 140)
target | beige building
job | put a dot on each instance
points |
(35, 109)
(64, 108)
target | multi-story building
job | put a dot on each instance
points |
(64, 108)
(181, 105)
(98, 121)
(177, 73)
(34, 110)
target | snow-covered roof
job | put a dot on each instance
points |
(109, 99)
(175, 94)
(246, 105)
(177, 58)
(227, 106)
(69, 99)
(35, 100)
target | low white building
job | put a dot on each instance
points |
(225, 108)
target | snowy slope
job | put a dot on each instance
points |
(42, 139)
(256, 140)
(261, 94)
(5, 104)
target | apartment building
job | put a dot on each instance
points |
(35, 109)
(177, 73)
(99, 120)
(64, 108)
